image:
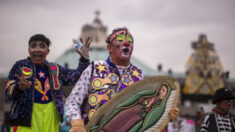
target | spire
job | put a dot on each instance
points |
(97, 22)
(97, 13)
(202, 43)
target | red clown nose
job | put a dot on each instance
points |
(126, 44)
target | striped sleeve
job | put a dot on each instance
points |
(205, 123)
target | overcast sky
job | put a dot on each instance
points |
(163, 29)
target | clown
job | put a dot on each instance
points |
(102, 80)
(35, 87)
(220, 119)
(120, 47)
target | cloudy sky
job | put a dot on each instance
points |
(163, 29)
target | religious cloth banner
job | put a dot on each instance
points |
(142, 106)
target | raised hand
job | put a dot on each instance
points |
(22, 82)
(83, 49)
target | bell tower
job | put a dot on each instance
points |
(96, 31)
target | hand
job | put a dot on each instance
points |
(23, 83)
(77, 126)
(83, 49)
(174, 112)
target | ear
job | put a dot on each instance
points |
(48, 51)
(109, 48)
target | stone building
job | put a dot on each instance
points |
(204, 75)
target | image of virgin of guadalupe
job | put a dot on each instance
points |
(132, 117)
(140, 111)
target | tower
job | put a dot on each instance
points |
(96, 31)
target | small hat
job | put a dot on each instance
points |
(222, 94)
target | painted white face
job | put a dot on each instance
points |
(225, 105)
(122, 47)
(125, 51)
(38, 52)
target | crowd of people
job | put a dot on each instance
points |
(35, 87)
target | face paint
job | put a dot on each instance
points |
(114, 35)
(121, 47)
(38, 51)
(225, 105)
(38, 46)
(129, 38)
(125, 51)
(123, 37)
(124, 32)
(126, 46)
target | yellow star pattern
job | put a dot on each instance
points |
(136, 73)
(101, 68)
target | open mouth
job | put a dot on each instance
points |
(125, 51)
(37, 57)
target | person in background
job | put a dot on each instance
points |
(35, 87)
(199, 116)
(220, 120)
(173, 126)
(187, 125)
